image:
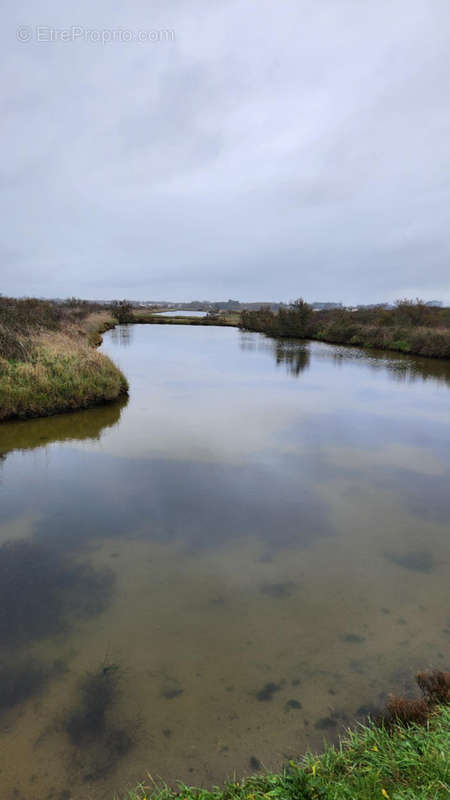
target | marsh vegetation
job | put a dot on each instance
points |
(48, 363)
(410, 327)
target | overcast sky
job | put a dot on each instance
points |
(253, 149)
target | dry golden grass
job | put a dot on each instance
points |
(64, 373)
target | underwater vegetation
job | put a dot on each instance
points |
(171, 687)
(268, 690)
(353, 638)
(99, 741)
(368, 711)
(97, 692)
(41, 591)
(278, 590)
(326, 722)
(417, 560)
(332, 721)
(293, 704)
(171, 693)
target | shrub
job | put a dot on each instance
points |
(435, 689)
(122, 310)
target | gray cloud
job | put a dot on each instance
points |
(271, 150)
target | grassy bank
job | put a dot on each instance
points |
(410, 327)
(48, 361)
(401, 763)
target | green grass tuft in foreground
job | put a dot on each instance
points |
(372, 763)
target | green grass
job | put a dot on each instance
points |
(372, 763)
(64, 376)
(48, 361)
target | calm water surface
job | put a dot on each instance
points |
(239, 561)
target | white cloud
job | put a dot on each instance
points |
(270, 151)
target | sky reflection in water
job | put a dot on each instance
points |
(257, 513)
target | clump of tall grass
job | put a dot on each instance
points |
(61, 375)
(46, 362)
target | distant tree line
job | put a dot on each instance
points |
(411, 326)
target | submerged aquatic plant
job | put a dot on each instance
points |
(416, 560)
(268, 690)
(98, 691)
(100, 743)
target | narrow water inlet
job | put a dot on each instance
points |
(256, 543)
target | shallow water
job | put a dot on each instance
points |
(239, 561)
